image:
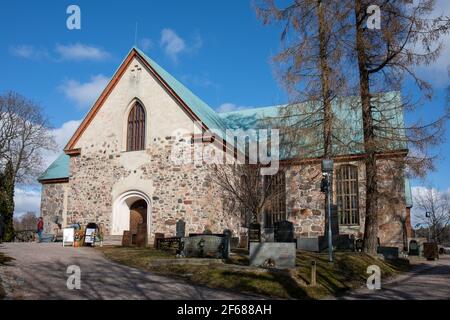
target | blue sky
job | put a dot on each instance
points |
(217, 48)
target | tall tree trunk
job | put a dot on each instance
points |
(371, 218)
(326, 96)
(325, 81)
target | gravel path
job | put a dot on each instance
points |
(39, 272)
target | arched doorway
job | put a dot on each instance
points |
(131, 212)
(138, 222)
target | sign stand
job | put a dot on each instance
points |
(68, 236)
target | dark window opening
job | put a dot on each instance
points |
(136, 128)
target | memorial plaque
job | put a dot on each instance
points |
(181, 228)
(169, 244)
(284, 231)
(205, 246)
(126, 239)
(254, 232)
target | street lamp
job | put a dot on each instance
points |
(428, 216)
(325, 187)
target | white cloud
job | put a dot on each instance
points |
(145, 44)
(80, 52)
(62, 135)
(172, 44)
(84, 94)
(26, 200)
(28, 52)
(229, 107)
(437, 72)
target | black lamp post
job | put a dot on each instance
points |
(327, 172)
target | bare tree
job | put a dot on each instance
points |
(385, 57)
(310, 67)
(249, 192)
(432, 209)
(24, 139)
(27, 222)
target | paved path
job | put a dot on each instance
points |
(39, 272)
(429, 280)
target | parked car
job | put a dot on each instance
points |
(444, 249)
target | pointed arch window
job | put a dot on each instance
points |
(136, 128)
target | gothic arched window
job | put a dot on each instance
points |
(136, 128)
(347, 194)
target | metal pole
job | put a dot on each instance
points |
(330, 233)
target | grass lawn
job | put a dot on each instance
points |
(3, 261)
(347, 272)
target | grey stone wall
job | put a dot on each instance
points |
(53, 205)
(178, 191)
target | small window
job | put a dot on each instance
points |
(347, 194)
(136, 128)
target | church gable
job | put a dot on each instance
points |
(168, 105)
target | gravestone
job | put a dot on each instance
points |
(414, 248)
(254, 232)
(284, 231)
(228, 234)
(126, 239)
(158, 236)
(181, 228)
(205, 246)
(273, 254)
(243, 241)
(308, 244)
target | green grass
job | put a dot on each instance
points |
(347, 272)
(3, 261)
(133, 256)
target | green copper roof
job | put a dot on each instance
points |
(348, 129)
(304, 117)
(59, 169)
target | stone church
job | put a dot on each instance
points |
(116, 169)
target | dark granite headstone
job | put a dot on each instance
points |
(254, 232)
(158, 236)
(414, 248)
(181, 228)
(284, 231)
